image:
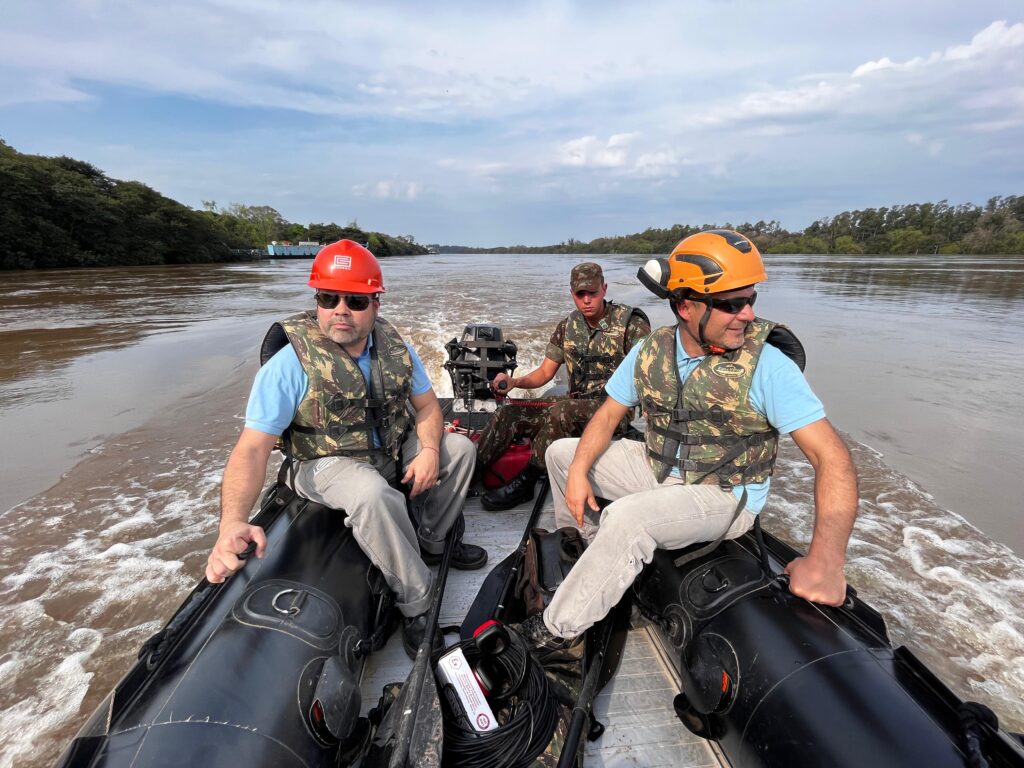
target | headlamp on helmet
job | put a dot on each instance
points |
(713, 261)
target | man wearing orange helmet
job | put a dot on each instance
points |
(334, 389)
(716, 389)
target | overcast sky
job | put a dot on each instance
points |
(528, 122)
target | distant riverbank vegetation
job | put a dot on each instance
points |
(62, 212)
(994, 228)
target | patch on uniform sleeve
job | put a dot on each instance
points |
(728, 370)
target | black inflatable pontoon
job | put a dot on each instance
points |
(779, 681)
(262, 670)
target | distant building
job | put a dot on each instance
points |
(285, 249)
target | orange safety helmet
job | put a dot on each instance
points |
(712, 261)
(346, 267)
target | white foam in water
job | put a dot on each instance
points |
(946, 590)
(59, 693)
(94, 580)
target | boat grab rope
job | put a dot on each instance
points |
(975, 718)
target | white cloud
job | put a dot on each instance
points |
(403, 191)
(996, 37)
(937, 88)
(932, 147)
(591, 152)
(626, 154)
(873, 66)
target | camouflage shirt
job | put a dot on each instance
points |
(592, 354)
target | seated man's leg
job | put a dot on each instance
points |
(544, 425)
(505, 424)
(670, 516)
(566, 418)
(441, 507)
(620, 471)
(378, 517)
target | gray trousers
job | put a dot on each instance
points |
(643, 516)
(377, 514)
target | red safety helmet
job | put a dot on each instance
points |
(346, 267)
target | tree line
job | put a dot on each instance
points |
(63, 212)
(994, 228)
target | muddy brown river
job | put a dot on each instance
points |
(122, 392)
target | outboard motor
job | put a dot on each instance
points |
(780, 681)
(475, 359)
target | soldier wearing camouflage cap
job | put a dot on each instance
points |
(716, 389)
(590, 342)
(334, 392)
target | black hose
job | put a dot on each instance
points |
(527, 714)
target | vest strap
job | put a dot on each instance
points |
(708, 468)
(687, 438)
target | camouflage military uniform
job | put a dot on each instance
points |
(566, 416)
(716, 400)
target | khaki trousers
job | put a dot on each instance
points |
(643, 516)
(379, 519)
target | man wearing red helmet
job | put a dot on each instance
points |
(334, 390)
(716, 389)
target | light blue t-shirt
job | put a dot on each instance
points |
(778, 390)
(281, 384)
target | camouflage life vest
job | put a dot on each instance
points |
(339, 413)
(707, 427)
(592, 354)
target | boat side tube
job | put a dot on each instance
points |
(261, 670)
(780, 681)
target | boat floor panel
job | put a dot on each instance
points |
(641, 728)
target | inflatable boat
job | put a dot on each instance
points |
(265, 669)
(261, 670)
(778, 681)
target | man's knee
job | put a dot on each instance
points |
(459, 449)
(363, 494)
(560, 453)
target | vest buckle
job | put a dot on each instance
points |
(717, 415)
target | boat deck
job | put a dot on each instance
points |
(635, 707)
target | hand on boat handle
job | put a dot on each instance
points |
(501, 382)
(816, 581)
(233, 541)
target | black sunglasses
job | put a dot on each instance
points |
(731, 306)
(357, 302)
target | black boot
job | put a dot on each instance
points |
(413, 628)
(465, 557)
(539, 638)
(518, 490)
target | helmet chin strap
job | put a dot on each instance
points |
(707, 346)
